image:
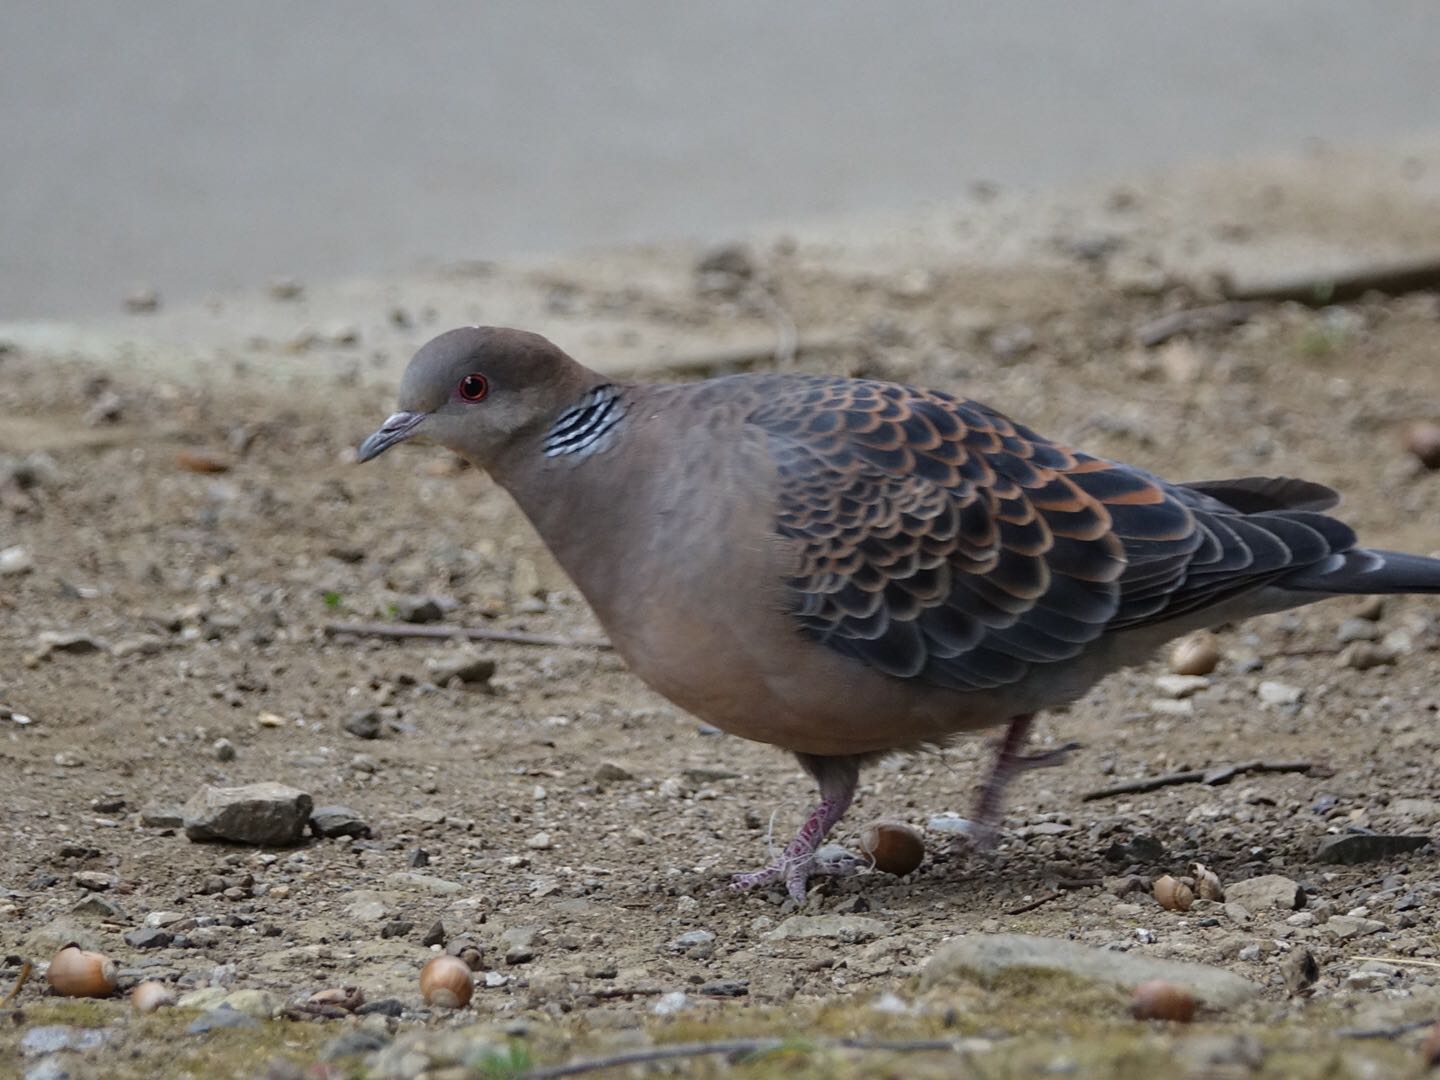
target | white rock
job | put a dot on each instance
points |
(1181, 686)
(1272, 692)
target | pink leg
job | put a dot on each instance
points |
(984, 829)
(837, 777)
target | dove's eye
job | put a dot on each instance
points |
(473, 387)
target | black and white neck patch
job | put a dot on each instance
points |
(585, 428)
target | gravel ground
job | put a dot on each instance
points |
(172, 553)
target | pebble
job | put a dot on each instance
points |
(162, 817)
(1356, 628)
(15, 561)
(1181, 686)
(608, 772)
(353, 1043)
(1354, 848)
(49, 1068)
(1299, 970)
(223, 749)
(264, 815)
(1272, 692)
(850, 929)
(699, 944)
(540, 842)
(1362, 656)
(988, 956)
(335, 821)
(219, 1019)
(92, 879)
(670, 1004)
(148, 938)
(1345, 927)
(470, 669)
(1266, 892)
(365, 724)
(419, 609)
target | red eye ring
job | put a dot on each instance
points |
(473, 387)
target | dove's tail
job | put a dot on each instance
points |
(1367, 570)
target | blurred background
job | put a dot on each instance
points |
(201, 145)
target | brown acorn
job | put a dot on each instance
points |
(1196, 654)
(1173, 894)
(77, 973)
(892, 847)
(1423, 441)
(445, 981)
(1160, 1000)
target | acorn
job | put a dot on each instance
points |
(1423, 441)
(1207, 883)
(445, 981)
(1173, 894)
(892, 847)
(1195, 654)
(1160, 1000)
(1430, 1051)
(151, 995)
(77, 973)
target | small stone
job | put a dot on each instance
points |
(1423, 441)
(1362, 656)
(264, 815)
(1354, 848)
(52, 1038)
(699, 944)
(148, 938)
(1356, 628)
(1272, 692)
(670, 1004)
(419, 609)
(1266, 892)
(353, 1043)
(1181, 686)
(92, 879)
(219, 1019)
(285, 288)
(728, 988)
(1345, 927)
(162, 817)
(366, 724)
(223, 749)
(539, 842)
(108, 408)
(161, 919)
(335, 821)
(72, 642)
(436, 935)
(608, 772)
(850, 929)
(1299, 970)
(470, 669)
(15, 561)
(142, 300)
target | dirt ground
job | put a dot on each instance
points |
(573, 826)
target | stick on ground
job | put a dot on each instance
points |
(1216, 774)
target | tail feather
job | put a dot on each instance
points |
(1368, 570)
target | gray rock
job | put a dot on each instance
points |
(353, 1043)
(431, 1051)
(69, 641)
(48, 1069)
(51, 1038)
(850, 929)
(148, 938)
(419, 609)
(265, 814)
(1266, 892)
(1366, 847)
(220, 1018)
(469, 668)
(1299, 970)
(425, 883)
(333, 821)
(608, 772)
(698, 944)
(365, 724)
(162, 817)
(985, 956)
(1352, 926)
(725, 988)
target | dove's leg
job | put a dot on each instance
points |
(837, 777)
(1010, 762)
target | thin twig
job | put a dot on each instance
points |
(20, 981)
(744, 1047)
(1385, 1032)
(472, 633)
(1039, 901)
(1319, 288)
(1160, 330)
(1216, 774)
